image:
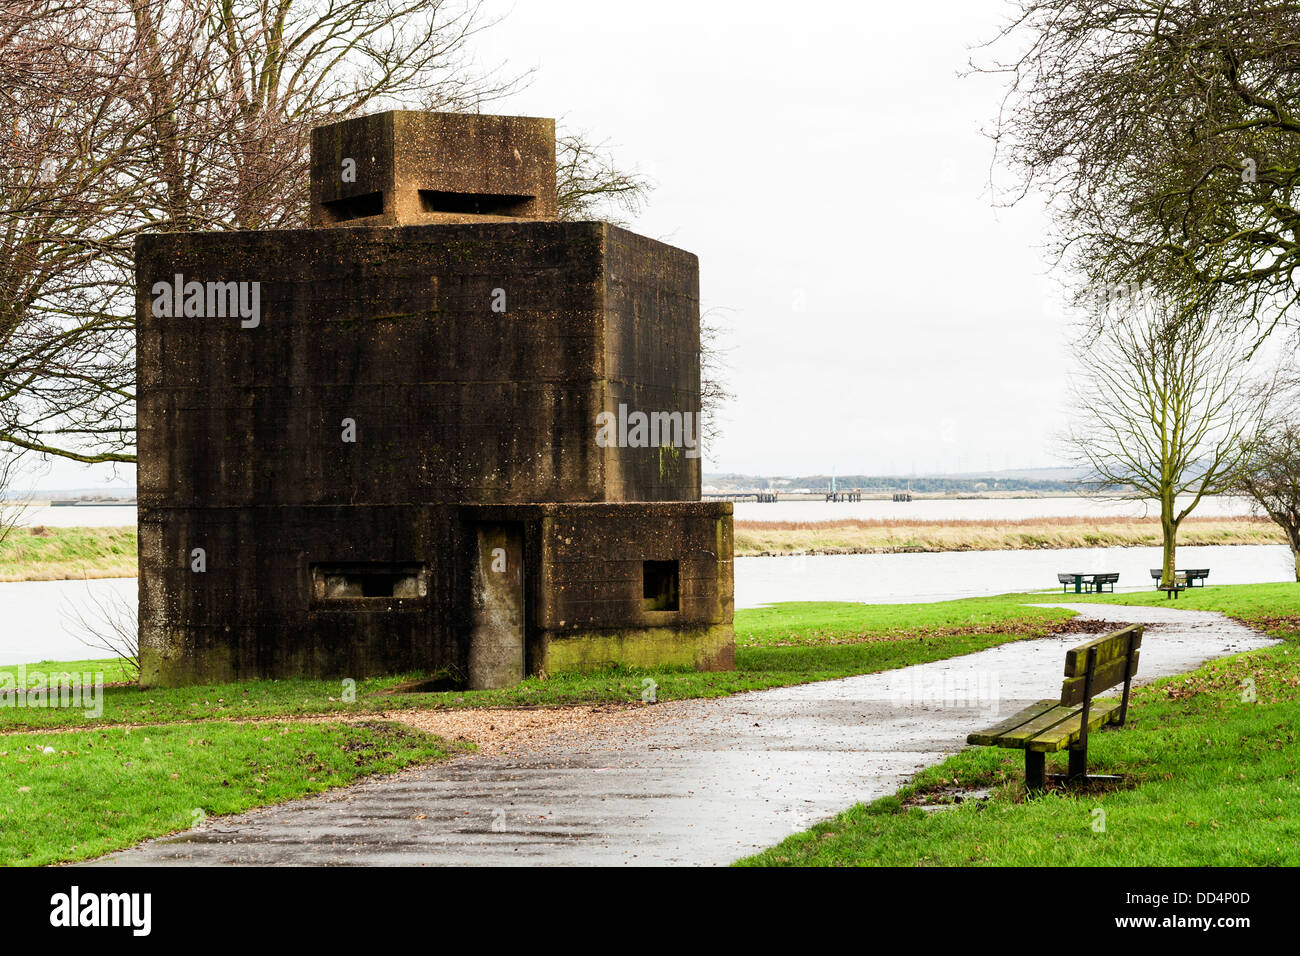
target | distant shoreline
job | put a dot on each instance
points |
(59, 554)
(875, 495)
(904, 536)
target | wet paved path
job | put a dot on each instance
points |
(697, 782)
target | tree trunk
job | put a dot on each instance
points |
(1169, 540)
(1293, 539)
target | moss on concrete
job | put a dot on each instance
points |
(703, 647)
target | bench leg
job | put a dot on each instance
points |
(1035, 770)
(1078, 765)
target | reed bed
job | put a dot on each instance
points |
(894, 535)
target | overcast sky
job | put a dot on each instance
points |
(825, 161)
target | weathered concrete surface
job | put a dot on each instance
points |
(321, 410)
(700, 782)
(242, 456)
(417, 167)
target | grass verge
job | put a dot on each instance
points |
(71, 796)
(777, 646)
(50, 554)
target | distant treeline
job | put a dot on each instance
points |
(922, 485)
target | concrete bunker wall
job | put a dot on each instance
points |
(393, 329)
(263, 606)
(327, 557)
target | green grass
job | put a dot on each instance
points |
(777, 646)
(1212, 779)
(110, 786)
(103, 790)
(803, 622)
(114, 669)
(1254, 604)
(1203, 761)
(51, 554)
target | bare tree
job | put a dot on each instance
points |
(66, 221)
(591, 185)
(1271, 479)
(1166, 136)
(11, 508)
(715, 394)
(106, 622)
(1164, 409)
(233, 87)
(135, 115)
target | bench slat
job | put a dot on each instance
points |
(1067, 732)
(987, 737)
(1030, 729)
(1104, 677)
(1109, 647)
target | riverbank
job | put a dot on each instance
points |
(901, 536)
(57, 554)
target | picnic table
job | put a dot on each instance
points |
(1083, 582)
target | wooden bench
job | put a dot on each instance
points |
(1049, 726)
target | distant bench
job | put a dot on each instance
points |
(1087, 582)
(1190, 576)
(1049, 726)
(1182, 581)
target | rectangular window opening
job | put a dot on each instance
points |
(474, 204)
(659, 585)
(364, 582)
(355, 207)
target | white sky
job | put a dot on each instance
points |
(825, 155)
(826, 163)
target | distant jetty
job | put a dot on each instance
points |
(876, 494)
(89, 503)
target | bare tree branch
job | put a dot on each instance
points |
(1164, 409)
(1165, 135)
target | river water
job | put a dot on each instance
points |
(80, 516)
(941, 576)
(35, 625)
(37, 617)
(36, 614)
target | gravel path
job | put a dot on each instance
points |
(686, 782)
